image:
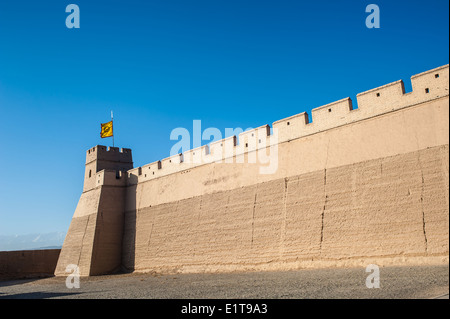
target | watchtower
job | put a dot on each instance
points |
(110, 158)
(94, 239)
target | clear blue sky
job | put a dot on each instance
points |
(162, 64)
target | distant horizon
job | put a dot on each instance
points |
(162, 65)
(32, 241)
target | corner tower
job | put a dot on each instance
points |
(101, 157)
(94, 239)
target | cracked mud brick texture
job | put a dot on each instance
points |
(394, 206)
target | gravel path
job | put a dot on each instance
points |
(395, 282)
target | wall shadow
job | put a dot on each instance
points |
(39, 295)
(129, 230)
(18, 281)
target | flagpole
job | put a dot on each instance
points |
(112, 126)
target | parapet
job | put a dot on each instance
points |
(105, 153)
(99, 158)
(110, 178)
(426, 86)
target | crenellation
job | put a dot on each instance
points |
(344, 104)
(215, 151)
(188, 156)
(332, 114)
(222, 149)
(104, 153)
(101, 157)
(373, 102)
(248, 140)
(380, 100)
(111, 178)
(169, 164)
(197, 154)
(431, 84)
(229, 148)
(386, 87)
(292, 127)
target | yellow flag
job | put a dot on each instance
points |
(107, 129)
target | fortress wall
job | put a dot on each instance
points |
(28, 263)
(427, 86)
(94, 239)
(78, 244)
(353, 186)
(107, 245)
(353, 214)
(403, 131)
(371, 190)
(432, 198)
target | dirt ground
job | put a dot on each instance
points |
(395, 282)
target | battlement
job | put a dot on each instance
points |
(110, 178)
(104, 153)
(99, 158)
(427, 86)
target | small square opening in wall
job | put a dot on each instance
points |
(427, 90)
(329, 110)
(436, 75)
(246, 144)
(288, 123)
(378, 94)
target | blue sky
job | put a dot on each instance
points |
(162, 64)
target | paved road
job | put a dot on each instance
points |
(395, 282)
